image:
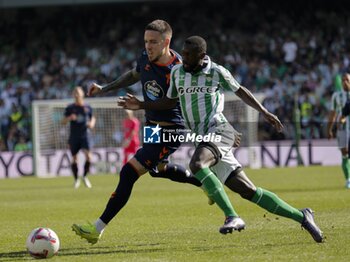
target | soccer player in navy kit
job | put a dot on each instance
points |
(153, 69)
(81, 121)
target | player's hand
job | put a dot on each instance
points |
(129, 102)
(330, 134)
(342, 120)
(274, 121)
(72, 117)
(237, 139)
(94, 89)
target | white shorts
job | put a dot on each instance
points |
(228, 162)
(227, 134)
(225, 166)
(342, 138)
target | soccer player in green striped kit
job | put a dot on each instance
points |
(199, 84)
(339, 100)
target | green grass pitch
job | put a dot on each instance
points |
(168, 221)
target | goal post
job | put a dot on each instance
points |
(50, 138)
(245, 119)
(51, 156)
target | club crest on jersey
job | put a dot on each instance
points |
(80, 118)
(197, 89)
(153, 90)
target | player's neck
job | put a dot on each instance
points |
(166, 58)
(79, 102)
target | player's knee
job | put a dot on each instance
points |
(247, 193)
(88, 158)
(128, 173)
(239, 183)
(140, 169)
(196, 165)
(162, 167)
(344, 152)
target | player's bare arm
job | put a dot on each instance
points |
(127, 79)
(91, 123)
(248, 98)
(132, 103)
(330, 124)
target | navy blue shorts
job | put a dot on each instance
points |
(151, 155)
(77, 144)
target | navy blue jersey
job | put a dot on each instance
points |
(155, 79)
(78, 127)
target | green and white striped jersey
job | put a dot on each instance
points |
(201, 95)
(338, 101)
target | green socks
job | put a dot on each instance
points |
(345, 165)
(272, 203)
(263, 198)
(215, 190)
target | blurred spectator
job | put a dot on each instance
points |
(3, 146)
(290, 49)
(276, 52)
(22, 145)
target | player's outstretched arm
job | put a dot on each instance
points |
(248, 98)
(127, 79)
(132, 103)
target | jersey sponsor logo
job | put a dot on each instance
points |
(197, 89)
(153, 90)
(151, 134)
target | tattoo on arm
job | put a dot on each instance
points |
(127, 79)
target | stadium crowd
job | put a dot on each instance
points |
(294, 53)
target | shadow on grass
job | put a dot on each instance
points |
(12, 256)
(302, 190)
(122, 249)
(94, 250)
(141, 248)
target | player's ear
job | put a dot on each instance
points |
(167, 42)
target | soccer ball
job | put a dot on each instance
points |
(42, 243)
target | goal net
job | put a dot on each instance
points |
(50, 138)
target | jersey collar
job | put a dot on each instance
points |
(170, 61)
(206, 60)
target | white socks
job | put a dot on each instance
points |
(100, 225)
